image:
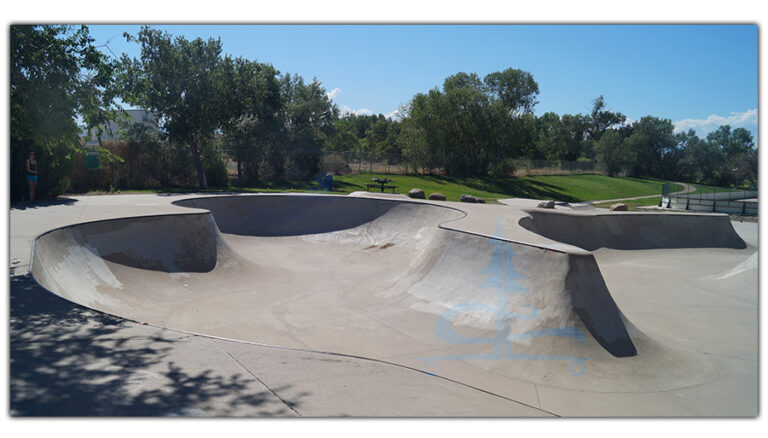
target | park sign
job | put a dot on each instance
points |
(92, 160)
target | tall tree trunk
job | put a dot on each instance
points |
(202, 181)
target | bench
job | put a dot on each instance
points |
(382, 187)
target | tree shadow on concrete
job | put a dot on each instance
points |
(42, 203)
(67, 360)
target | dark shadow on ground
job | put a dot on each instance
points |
(517, 188)
(67, 360)
(23, 205)
(345, 186)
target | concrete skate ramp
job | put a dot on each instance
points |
(632, 230)
(277, 215)
(381, 281)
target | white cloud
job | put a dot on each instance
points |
(359, 112)
(396, 114)
(344, 109)
(333, 93)
(704, 126)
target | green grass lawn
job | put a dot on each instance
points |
(569, 188)
(451, 188)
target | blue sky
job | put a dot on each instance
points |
(699, 76)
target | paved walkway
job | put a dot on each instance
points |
(688, 189)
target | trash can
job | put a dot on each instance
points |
(328, 182)
(92, 160)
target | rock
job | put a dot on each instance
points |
(619, 207)
(479, 200)
(437, 196)
(416, 193)
(547, 204)
(467, 198)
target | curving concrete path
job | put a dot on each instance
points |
(687, 189)
(376, 305)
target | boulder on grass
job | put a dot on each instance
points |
(546, 204)
(467, 198)
(416, 193)
(619, 207)
(479, 200)
(437, 196)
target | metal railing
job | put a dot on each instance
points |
(713, 199)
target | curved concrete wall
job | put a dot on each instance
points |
(592, 301)
(84, 263)
(536, 296)
(281, 215)
(169, 243)
(634, 230)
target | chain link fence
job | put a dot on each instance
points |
(357, 162)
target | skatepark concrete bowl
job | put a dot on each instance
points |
(492, 296)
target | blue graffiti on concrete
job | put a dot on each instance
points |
(504, 278)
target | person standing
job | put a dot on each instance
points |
(31, 168)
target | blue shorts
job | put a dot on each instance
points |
(32, 178)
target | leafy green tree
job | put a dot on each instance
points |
(309, 117)
(519, 137)
(343, 138)
(376, 140)
(392, 147)
(738, 156)
(560, 137)
(613, 152)
(257, 146)
(375, 136)
(420, 134)
(470, 124)
(600, 120)
(652, 140)
(548, 136)
(57, 75)
(573, 134)
(257, 136)
(360, 123)
(187, 84)
(701, 159)
(515, 88)
(743, 167)
(463, 81)
(731, 142)
(465, 125)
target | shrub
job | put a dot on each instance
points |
(505, 167)
(216, 173)
(335, 164)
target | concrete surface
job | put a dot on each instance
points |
(366, 305)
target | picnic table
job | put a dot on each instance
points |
(380, 183)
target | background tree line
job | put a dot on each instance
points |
(207, 104)
(278, 127)
(474, 127)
